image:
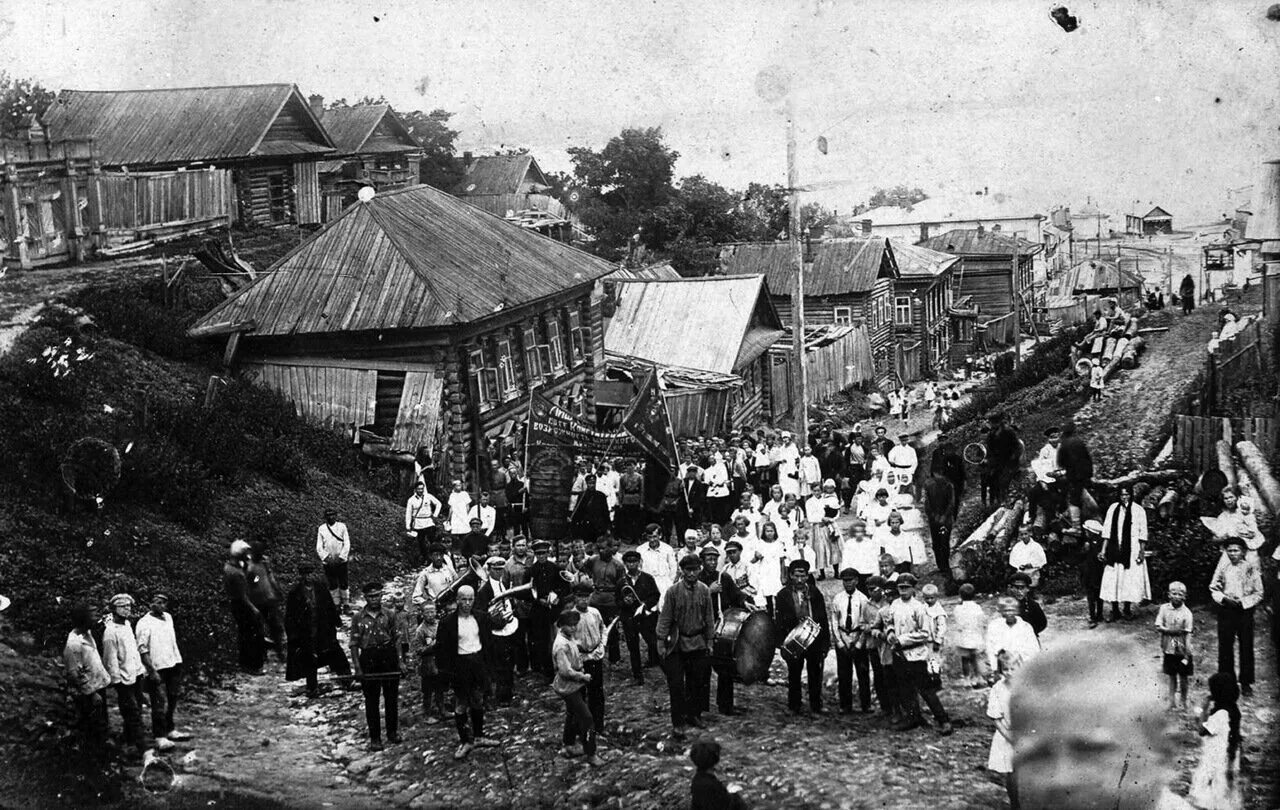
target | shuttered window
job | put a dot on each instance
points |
(555, 345)
(578, 350)
(534, 371)
(506, 370)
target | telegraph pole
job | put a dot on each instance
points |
(800, 402)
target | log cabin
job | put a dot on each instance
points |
(985, 270)
(514, 187)
(922, 300)
(373, 147)
(705, 333)
(421, 325)
(848, 281)
(266, 134)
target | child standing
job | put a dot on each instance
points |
(1214, 782)
(1174, 623)
(568, 684)
(1095, 380)
(709, 793)
(971, 628)
(1000, 759)
(433, 686)
(938, 630)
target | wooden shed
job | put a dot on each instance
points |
(1155, 221)
(848, 281)
(716, 325)
(373, 147)
(265, 134)
(419, 323)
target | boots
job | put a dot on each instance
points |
(1074, 514)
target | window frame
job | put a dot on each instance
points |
(842, 316)
(555, 345)
(508, 388)
(577, 343)
(899, 306)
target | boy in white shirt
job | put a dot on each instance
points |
(970, 623)
(1028, 557)
(158, 648)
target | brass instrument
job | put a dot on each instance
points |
(473, 577)
(642, 609)
(500, 609)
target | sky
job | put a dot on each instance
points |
(1146, 103)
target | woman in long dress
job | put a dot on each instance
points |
(1124, 535)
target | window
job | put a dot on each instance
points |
(486, 379)
(534, 370)
(277, 197)
(555, 347)
(577, 345)
(506, 370)
(902, 310)
(842, 316)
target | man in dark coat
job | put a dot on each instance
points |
(253, 652)
(801, 599)
(1187, 294)
(948, 463)
(462, 660)
(549, 592)
(939, 509)
(311, 626)
(1077, 473)
(638, 596)
(590, 517)
(1004, 452)
(690, 507)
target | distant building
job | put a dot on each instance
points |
(1155, 221)
(935, 215)
(373, 147)
(986, 273)
(266, 134)
(922, 299)
(514, 188)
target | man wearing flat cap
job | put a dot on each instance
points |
(913, 637)
(725, 594)
(852, 617)
(502, 653)
(124, 666)
(376, 648)
(686, 626)
(1004, 455)
(549, 592)
(637, 597)
(1237, 589)
(800, 600)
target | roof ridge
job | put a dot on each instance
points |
(175, 89)
(682, 279)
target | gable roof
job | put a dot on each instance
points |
(658, 271)
(180, 125)
(1092, 274)
(666, 322)
(975, 242)
(917, 261)
(1157, 213)
(350, 128)
(498, 174)
(413, 258)
(840, 265)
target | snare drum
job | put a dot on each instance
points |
(801, 638)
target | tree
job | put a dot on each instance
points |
(625, 181)
(19, 100)
(440, 165)
(899, 196)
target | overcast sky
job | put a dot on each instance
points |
(1171, 103)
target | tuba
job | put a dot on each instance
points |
(473, 577)
(500, 609)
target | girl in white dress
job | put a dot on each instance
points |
(1214, 784)
(1000, 759)
(1124, 535)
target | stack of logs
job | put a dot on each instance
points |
(999, 530)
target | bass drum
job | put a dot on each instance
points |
(757, 642)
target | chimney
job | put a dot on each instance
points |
(985, 191)
(316, 102)
(866, 227)
(467, 159)
(981, 230)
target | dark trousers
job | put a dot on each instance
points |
(595, 693)
(502, 661)
(468, 697)
(915, 683)
(940, 534)
(886, 678)
(683, 523)
(382, 679)
(635, 630)
(1091, 579)
(612, 644)
(520, 645)
(539, 639)
(129, 700)
(273, 626)
(719, 509)
(724, 687)
(630, 522)
(812, 661)
(335, 575)
(1236, 623)
(163, 693)
(91, 719)
(849, 661)
(519, 519)
(425, 538)
(253, 651)
(688, 677)
(578, 722)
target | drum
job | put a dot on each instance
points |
(801, 637)
(727, 631)
(757, 641)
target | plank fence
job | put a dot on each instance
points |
(1195, 438)
(139, 206)
(1233, 362)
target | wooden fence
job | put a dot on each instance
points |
(137, 206)
(1233, 361)
(1195, 438)
(832, 367)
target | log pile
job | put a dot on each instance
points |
(1255, 464)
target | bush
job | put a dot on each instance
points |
(134, 312)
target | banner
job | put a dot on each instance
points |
(648, 423)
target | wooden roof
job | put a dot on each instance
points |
(498, 174)
(351, 127)
(413, 258)
(712, 323)
(181, 125)
(659, 271)
(840, 266)
(1092, 275)
(1157, 213)
(919, 262)
(974, 242)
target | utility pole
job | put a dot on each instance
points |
(800, 403)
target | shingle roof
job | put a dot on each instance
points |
(414, 258)
(916, 261)
(350, 127)
(178, 125)
(974, 242)
(840, 266)
(497, 174)
(713, 323)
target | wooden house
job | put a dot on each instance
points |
(985, 273)
(421, 324)
(1155, 221)
(265, 134)
(848, 281)
(705, 331)
(373, 147)
(513, 187)
(922, 300)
